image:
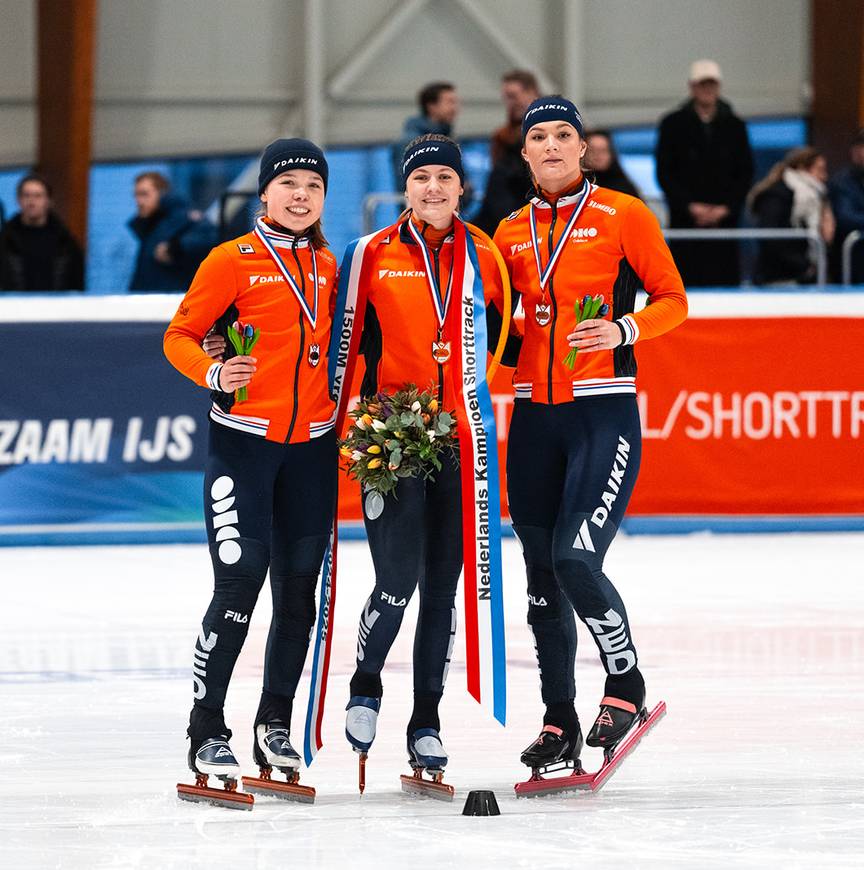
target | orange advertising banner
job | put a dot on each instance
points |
(753, 416)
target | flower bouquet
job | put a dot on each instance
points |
(588, 308)
(403, 435)
(243, 337)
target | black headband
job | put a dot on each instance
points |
(432, 152)
(284, 155)
(553, 108)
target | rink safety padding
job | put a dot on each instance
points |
(752, 415)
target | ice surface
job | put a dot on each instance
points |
(755, 643)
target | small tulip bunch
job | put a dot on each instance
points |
(399, 435)
(587, 309)
(243, 337)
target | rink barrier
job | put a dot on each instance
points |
(647, 525)
(117, 456)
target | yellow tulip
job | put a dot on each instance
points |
(345, 452)
(433, 406)
(374, 463)
(367, 420)
(374, 448)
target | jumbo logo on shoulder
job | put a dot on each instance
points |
(314, 355)
(440, 351)
(543, 313)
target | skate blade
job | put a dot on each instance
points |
(286, 791)
(624, 749)
(441, 791)
(592, 782)
(538, 785)
(218, 797)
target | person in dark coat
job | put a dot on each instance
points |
(37, 251)
(602, 163)
(509, 184)
(172, 240)
(705, 168)
(792, 196)
(846, 192)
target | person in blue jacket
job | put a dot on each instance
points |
(172, 240)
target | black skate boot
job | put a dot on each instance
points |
(271, 748)
(555, 746)
(213, 757)
(622, 706)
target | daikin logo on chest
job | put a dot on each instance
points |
(265, 279)
(401, 273)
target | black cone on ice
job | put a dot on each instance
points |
(481, 803)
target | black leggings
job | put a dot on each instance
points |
(266, 506)
(417, 539)
(571, 469)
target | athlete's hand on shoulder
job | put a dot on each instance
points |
(214, 345)
(591, 335)
(236, 373)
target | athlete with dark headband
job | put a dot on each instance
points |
(413, 277)
(270, 479)
(575, 439)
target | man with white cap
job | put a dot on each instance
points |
(705, 168)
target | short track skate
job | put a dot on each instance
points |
(431, 764)
(290, 790)
(578, 779)
(221, 797)
(272, 750)
(214, 758)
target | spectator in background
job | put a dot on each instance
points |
(509, 180)
(793, 195)
(846, 192)
(173, 240)
(601, 161)
(37, 251)
(439, 107)
(705, 168)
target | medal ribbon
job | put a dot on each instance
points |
(441, 305)
(465, 328)
(546, 274)
(261, 229)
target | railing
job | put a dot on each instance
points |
(370, 206)
(373, 200)
(816, 241)
(846, 253)
(239, 198)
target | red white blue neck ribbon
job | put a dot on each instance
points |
(465, 327)
(323, 635)
(546, 274)
(440, 305)
(263, 231)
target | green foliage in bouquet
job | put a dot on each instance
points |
(403, 435)
(243, 337)
(586, 309)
